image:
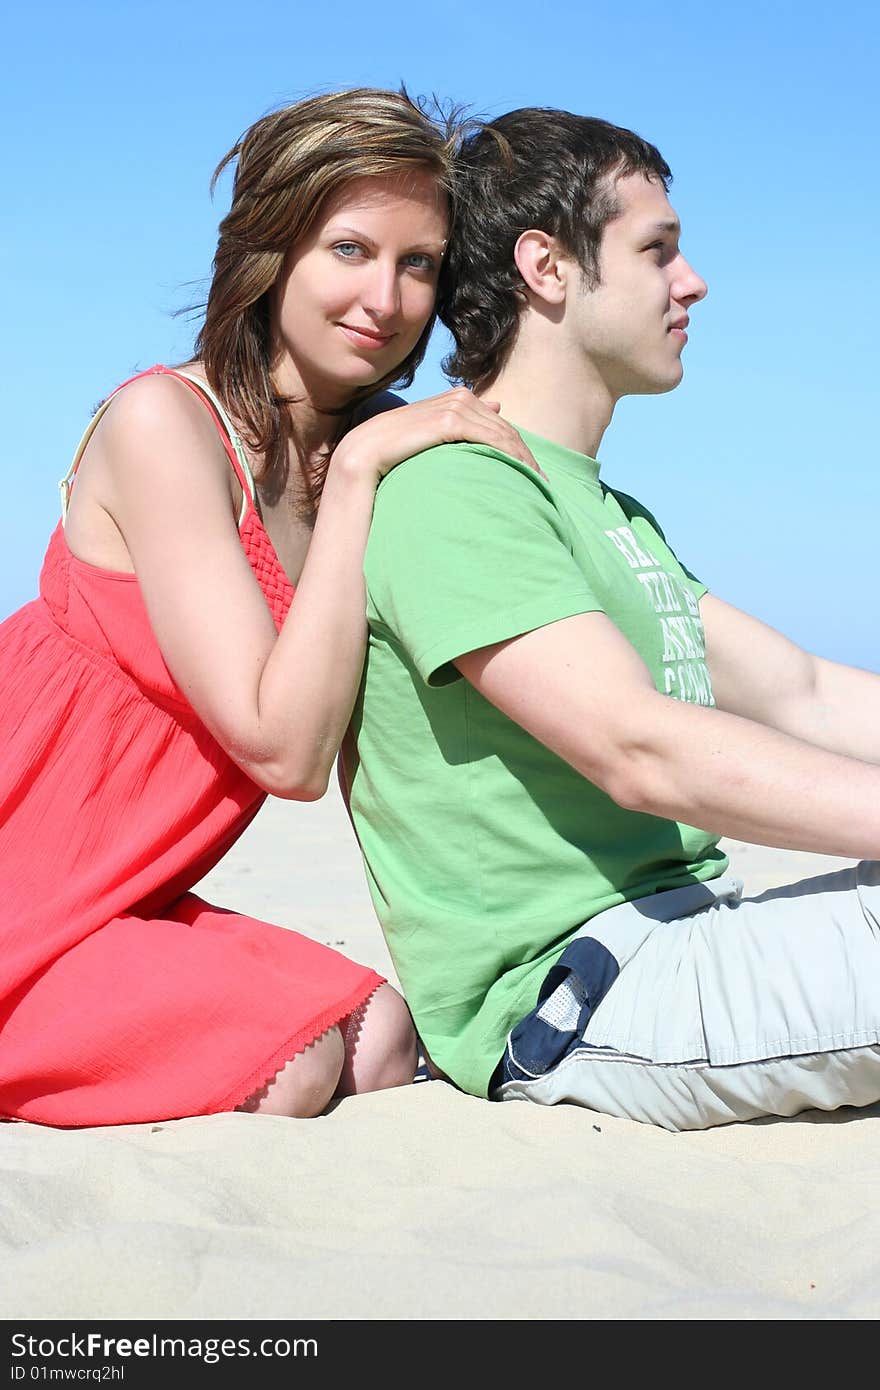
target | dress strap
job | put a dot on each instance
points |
(231, 439)
(242, 470)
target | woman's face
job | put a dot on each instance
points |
(355, 294)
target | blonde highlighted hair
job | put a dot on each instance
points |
(286, 167)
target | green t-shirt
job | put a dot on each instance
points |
(485, 851)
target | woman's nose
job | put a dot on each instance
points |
(381, 295)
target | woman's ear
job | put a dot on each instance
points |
(542, 265)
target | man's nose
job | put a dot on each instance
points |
(689, 287)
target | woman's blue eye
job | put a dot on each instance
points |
(352, 250)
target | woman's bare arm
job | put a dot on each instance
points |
(277, 703)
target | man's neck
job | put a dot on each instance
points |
(553, 399)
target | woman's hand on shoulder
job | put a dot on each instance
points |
(454, 417)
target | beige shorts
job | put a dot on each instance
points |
(699, 1007)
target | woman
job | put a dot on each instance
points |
(159, 687)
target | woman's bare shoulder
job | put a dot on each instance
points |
(158, 402)
(157, 436)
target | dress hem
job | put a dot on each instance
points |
(255, 1080)
(265, 1074)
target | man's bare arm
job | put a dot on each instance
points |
(758, 673)
(581, 689)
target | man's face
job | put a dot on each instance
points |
(631, 327)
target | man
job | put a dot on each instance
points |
(558, 721)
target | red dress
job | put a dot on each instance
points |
(123, 996)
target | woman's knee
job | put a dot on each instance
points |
(380, 1044)
(401, 1051)
(306, 1084)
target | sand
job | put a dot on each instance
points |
(423, 1203)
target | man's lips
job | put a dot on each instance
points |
(679, 327)
(365, 337)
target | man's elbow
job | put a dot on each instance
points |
(636, 773)
(628, 785)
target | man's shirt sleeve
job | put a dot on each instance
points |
(467, 549)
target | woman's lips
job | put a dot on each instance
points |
(366, 338)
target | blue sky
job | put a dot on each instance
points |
(762, 466)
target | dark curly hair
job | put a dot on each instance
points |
(533, 168)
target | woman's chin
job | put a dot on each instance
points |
(332, 386)
(355, 375)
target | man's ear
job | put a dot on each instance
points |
(542, 265)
